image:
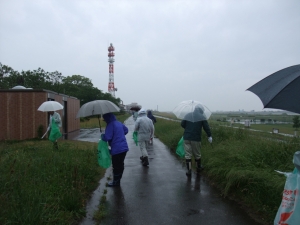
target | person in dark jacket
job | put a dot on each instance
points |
(192, 140)
(115, 136)
(150, 116)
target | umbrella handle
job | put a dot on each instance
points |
(99, 124)
(45, 134)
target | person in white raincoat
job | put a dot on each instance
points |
(57, 119)
(144, 127)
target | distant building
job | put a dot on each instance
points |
(20, 119)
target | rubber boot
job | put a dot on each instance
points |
(116, 181)
(145, 162)
(189, 167)
(142, 158)
(198, 165)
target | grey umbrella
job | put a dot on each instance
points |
(280, 90)
(97, 107)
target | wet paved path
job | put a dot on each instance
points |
(161, 193)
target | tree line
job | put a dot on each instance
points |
(76, 85)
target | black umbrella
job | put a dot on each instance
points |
(280, 90)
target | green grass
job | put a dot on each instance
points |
(267, 127)
(101, 213)
(165, 114)
(283, 117)
(241, 164)
(92, 122)
(283, 128)
(40, 185)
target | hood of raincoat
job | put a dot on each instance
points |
(199, 109)
(109, 117)
(296, 160)
(142, 111)
(115, 132)
(149, 113)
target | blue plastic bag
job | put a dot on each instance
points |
(289, 209)
(104, 159)
(180, 149)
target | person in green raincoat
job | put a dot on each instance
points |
(54, 127)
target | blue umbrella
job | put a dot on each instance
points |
(280, 90)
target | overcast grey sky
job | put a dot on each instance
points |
(165, 51)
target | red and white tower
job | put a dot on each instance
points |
(111, 60)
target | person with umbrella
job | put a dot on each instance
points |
(144, 127)
(54, 121)
(115, 136)
(54, 127)
(194, 117)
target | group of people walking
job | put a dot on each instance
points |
(116, 131)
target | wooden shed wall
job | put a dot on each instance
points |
(19, 118)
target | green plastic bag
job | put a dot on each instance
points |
(104, 159)
(135, 137)
(55, 132)
(180, 148)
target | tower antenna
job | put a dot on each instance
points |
(111, 60)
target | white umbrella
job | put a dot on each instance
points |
(49, 106)
(97, 107)
(191, 110)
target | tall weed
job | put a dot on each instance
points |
(241, 163)
(40, 185)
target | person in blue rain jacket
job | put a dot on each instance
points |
(115, 136)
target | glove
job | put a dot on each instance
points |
(210, 139)
(151, 140)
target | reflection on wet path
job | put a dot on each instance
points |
(90, 135)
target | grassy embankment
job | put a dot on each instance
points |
(241, 164)
(41, 185)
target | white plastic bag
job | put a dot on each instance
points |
(289, 209)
